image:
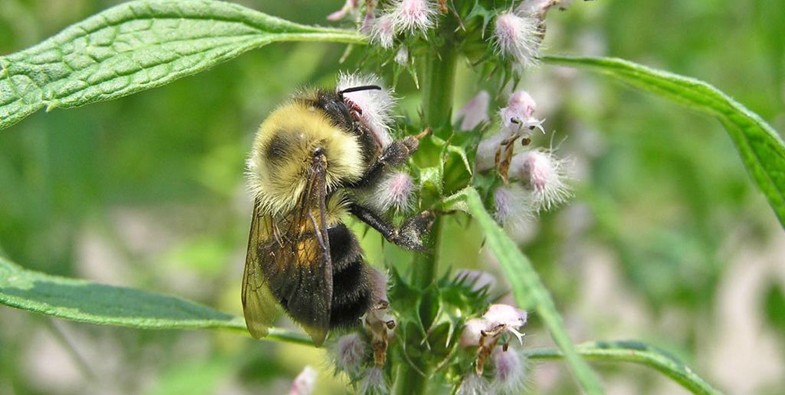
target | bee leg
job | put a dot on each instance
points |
(409, 235)
(396, 154)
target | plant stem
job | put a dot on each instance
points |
(439, 84)
(438, 76)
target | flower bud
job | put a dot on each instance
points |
(411, 15)
(518, 36)
(402, 56)
(510, 374)
(350, 353)
(394, 191)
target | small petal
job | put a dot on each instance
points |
(510, 374)
(376, 105)
(305, 382)
(544, 174)
(411, 15)
(474, 112)
(518, 37)
(350, 353)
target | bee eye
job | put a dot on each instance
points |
(318, 151)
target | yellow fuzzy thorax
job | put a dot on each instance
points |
(282, 154)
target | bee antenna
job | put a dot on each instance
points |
(361, 88)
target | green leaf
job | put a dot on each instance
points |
(762, 149)
(636, 352)
(527, 287)
(85, 301)
(136, 46)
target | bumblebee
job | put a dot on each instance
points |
(312, 159)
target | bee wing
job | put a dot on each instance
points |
(292, 259)
(259, 305)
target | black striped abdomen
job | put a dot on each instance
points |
(352, 283)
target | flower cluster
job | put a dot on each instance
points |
(362, 355)
(485, 333)
(396, 17)
(538, 176)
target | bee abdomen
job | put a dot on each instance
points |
(352, 285)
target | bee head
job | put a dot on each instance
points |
(340, 109)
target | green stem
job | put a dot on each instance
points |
(438, 76)
(439, 84)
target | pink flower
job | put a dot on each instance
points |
(518, 116)
(411, 15)
(395, 191)
(543, 174)
(509, 318)
(474, 112)
(383, 30)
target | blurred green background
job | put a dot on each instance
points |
(667, 240)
